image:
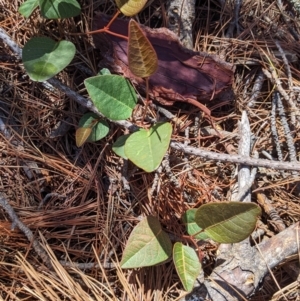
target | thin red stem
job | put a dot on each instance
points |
(117, 35)
(106, 28)
(113, 19)
(192, 240)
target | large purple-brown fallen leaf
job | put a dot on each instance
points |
(182, 74)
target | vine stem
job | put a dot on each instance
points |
(147, 99)
(106, 28)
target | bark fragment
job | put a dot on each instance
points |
(181, 74)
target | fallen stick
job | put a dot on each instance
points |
(200, 152)
(23, 228)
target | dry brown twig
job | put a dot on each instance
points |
(277, 103)
(244, 151)
(287, 68)
(286, 128)
(274, 130)
(234, 23)
(235, 158)
(17, 223)
(272, 75)
(269, 209)
(257, 86)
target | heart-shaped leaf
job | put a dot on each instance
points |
(142, 58)
(130, 7)
(91, 129)
(27, 7)
(147, 245)
(43, 58)
(187, 265)
(191, 226)
(58, 9)
(228, 222)
(112, 95)
(119, 146)
(104, 71)
(146, 148)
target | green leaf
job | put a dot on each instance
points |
(119, 146)
(99, 131)
(27, 7)
(187, 265)
(146, 148)
(58, 9)
(104, 71)
(147, 245)
(191, 226)
(130, 7)
(98, 127)
(112, 95)
(228, 222)
(43, 58)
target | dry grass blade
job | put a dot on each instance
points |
(59, 284)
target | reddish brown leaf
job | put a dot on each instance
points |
(82, 134)
(142, 58)
(182, 73)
